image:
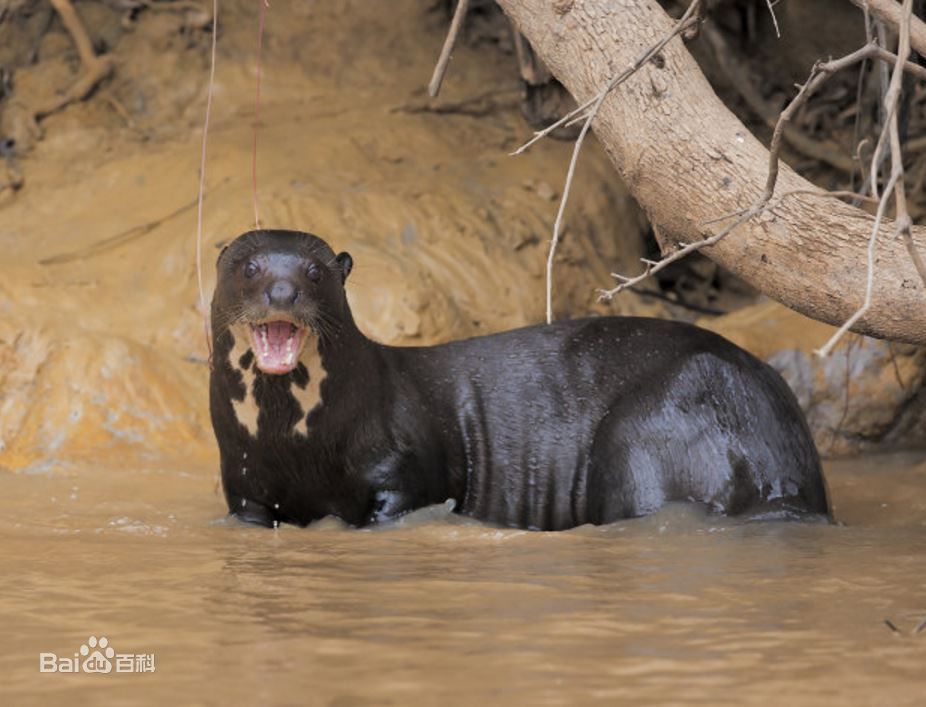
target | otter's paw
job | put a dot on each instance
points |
(254, 513)
(388, 505)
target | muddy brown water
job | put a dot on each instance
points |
(677, 607)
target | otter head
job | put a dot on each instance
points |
(279, 288)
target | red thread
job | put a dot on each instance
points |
(202, 185)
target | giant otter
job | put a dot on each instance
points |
(546, 427)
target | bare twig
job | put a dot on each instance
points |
(859, 95)
(572, 117)
(441, 68)
(477, 106)
(592, 107)
(771, 11)
(888, 132)
(825, 350)
(74, 26)
(817, 149)
(818, 76)
(836, 194)
(690, 306)
(96, 68)
(903, 224)
(580, 112)
(653, 266)
(880, 151)
(913, 632)
(694, 29)
(558, 222)
(118, 240)
(736, 73)
(847, 400)
(879, 52)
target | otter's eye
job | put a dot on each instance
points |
(251, 269)
(313, 272)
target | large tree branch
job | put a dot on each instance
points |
(687, 159)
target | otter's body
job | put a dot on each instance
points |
(546, 427)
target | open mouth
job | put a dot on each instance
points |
(277, 345)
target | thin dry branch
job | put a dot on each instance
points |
(738, 76)
(827, 348)
(96, 68)
(588, 111)
(903, 224)
(441, 68)
(818, 76)
(835, 194)
(879, 52)
(654, 266)
(690, 19)
(771, 11)
(822, 150)
(891, 132)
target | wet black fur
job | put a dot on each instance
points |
(546, 427)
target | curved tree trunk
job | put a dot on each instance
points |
(687, 159)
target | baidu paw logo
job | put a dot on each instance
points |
(97, 655)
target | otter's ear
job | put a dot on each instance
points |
(347, 263)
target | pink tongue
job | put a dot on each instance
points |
(278, 333)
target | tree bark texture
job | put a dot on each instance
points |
(688, 160)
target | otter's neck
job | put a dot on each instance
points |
(332, 364)
(345, 352)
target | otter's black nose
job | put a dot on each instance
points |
(282, 293)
